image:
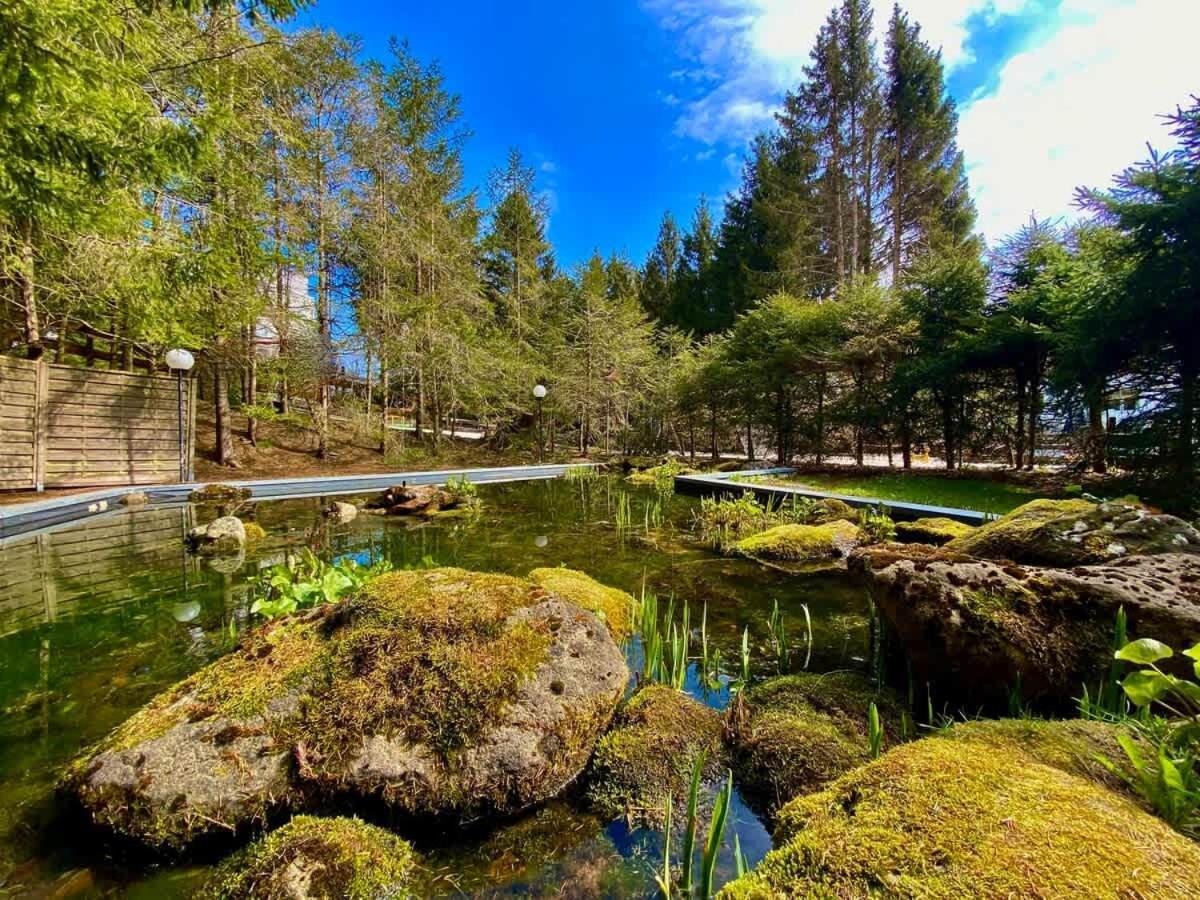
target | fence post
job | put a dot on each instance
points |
(41, 423)
(191, 429)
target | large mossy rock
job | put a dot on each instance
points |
(1077, 532)
(317, 859)
(441, 693)
(612, 605)
(979, 817)
(650, 753)
(980, 629)
(802, 543)
(934, 530)
(794, 734)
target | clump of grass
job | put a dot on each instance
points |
(689, 886)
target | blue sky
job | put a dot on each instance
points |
(628, 108)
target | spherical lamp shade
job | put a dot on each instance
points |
(539, 391)
(180, 360)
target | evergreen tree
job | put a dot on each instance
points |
(694, 308)
(661, 269)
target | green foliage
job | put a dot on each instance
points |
(1168, 777)
(874, 731)
(306, 580)
(876, 524)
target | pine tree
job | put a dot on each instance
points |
(694, 308)
(660, 271)
(928, 202)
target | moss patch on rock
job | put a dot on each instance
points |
(801, 543)
(649, 755)
(660, 475)
(935, 530)
(317, 858)
(794, 734)
(612, 605)
(948, 818)
(430, 656)
(254, 532)
(830, 510)
(1077, 532)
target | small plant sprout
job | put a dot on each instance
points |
(716, 834)
(874, 731)
(689, 836)
(741, 867)
(808, 635)
(664, 878)
(778, 631)
(746, 656)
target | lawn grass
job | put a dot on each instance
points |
(982, 494)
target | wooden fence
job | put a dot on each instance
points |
(63, 426)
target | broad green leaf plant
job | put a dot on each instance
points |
(306, 580)
(1166, 762)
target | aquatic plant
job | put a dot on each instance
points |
(1168, 777)
(716, 834)
(581, 473)
(874, 731)
(745, 657)
(779, 639)
(877, 524)
(741, 866)
(1109, 703)
(306, 580)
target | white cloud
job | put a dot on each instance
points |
(746, 53)
(1078, 107)
(549, 166)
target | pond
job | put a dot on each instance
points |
(97, 618)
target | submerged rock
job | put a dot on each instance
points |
(981, 629)
(339, 513)
(317, 859)
(225, 536)
(934, 530)
(945, 817)
(650, 753)
(793, 734)
(612, 605)
(441, 693)
(802, 543)
(1077, 532)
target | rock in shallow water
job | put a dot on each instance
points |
(225, 536)
(802, 543)
(317, 859)
(443, 693)
(1077, 532)
(981, 628)
(977, 815)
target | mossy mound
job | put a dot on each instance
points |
(659, 475)
(802, 543)
(650, 753)
(935, 530)
(947, 818)
(831, 510)
(1077, 532)
(442, 693)
(612, 605)
(793, 734)
(317, 859)
(1076, 746)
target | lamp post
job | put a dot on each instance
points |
(539, 392)
(180, 361)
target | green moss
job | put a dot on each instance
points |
(650, 753)
(1075, 746)
(658, 475)
(1040, 532)
(429, 655)
(270, 662)
(968, 818)
(831, 510)
(317, 858)
(254, 532)
(612, 605)
(794, 734)
(935, 530)
(798, 543)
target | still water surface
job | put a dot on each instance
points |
(97, 618)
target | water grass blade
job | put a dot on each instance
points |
(716, 834)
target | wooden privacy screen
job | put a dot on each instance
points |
(62, 426)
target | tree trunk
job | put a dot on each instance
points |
(947, 405)
(251, 397)
(1019, 448)
(820, 418)
(224, 436)
(1035, 411)
(906, 440)
(1096, 455)
(25, 281)
(712, 425)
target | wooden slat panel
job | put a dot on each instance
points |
(111, 392)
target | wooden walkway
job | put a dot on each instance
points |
(726, 483)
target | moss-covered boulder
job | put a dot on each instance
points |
(659, 476)
(831, 510)
(612, 605)
(802, 543)
(947, 818)
(441, 693)
(317, 859)
(650, 753)
(978, 629)
(1077, 532)
(794, 734)
(218, 494)
(223, 536)
(934, 530)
